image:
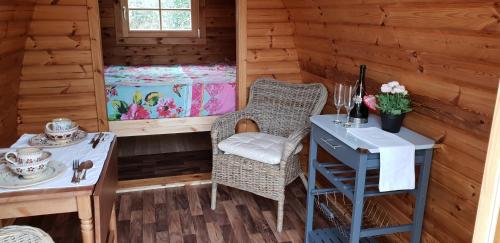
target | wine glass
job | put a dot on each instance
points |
(338, 100)
(348, 102)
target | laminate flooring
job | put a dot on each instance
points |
(183, 214)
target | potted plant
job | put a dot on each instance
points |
(393, 102)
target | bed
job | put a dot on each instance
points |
(159, 99)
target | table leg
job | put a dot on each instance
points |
(84, 205)
(112, 225)
(311, 185)
(358, 201)
(420, 197)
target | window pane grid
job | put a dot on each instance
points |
(180, 14)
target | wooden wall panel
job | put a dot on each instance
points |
(14, 22)
(270, 46)
(220, 41)
(447, 54)
(60, 76)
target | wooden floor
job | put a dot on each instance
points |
(183, 214)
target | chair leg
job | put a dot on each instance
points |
(279, 220)
(214, 195)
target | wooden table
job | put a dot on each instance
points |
(94, 204)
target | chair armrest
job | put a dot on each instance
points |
(225, 126)
(293, 142)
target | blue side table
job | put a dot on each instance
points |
(359, 158)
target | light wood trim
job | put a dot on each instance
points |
(38, 207)
(105, 196)
(84, 205)
(162, 182)
(42, 194)
(97, 64)
(241, 51)
(161, 126)
(489, 200)
(113, 230)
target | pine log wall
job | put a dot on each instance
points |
(270, 46)
(60, 65)
(220, 39)
(447, 53)
(14, 22)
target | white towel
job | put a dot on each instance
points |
(397, 158)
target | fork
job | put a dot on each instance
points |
(75, 169)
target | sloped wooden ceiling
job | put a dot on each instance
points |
(448, 55)
(14, 21)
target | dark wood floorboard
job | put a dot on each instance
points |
(167, 164)
(160, 144)
(183, 214)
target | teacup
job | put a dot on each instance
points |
(62, 136)
(25, 155)
(31, 170)
(59, 125)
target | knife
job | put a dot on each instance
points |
(97, 140)
(93, 138)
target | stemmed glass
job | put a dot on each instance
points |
(348, 102)
(338, 100)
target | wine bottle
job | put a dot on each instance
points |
(359, 114)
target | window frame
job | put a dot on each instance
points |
(196, 31)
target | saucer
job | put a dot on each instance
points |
(10, 180)
(42, 141)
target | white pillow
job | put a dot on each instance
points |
(258, 146)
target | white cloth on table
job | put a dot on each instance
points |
(81, 151)
(397, 158)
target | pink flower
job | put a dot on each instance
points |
(166, 108)
(135, 112)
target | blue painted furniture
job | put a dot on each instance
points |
(360, 158)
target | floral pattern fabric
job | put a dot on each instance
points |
(151, 92)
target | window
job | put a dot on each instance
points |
(160, 18)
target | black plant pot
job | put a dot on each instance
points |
(392, 123)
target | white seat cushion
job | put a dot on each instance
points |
(258, 146)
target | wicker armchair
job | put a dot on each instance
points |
(279, 109)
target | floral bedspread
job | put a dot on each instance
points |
(150, 92)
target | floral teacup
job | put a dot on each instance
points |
(33, 169)
(24, 155)
(59, 125)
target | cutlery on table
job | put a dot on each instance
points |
(75, 168)
(98, 139)
(93, 138)
(85, 165)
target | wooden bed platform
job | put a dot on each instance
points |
(161, 126)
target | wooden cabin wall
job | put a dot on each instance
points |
(270, 47)
(62, 73)
(447, 55)
(14, 21)
(220, 40)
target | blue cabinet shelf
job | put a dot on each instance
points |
(348, 203)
